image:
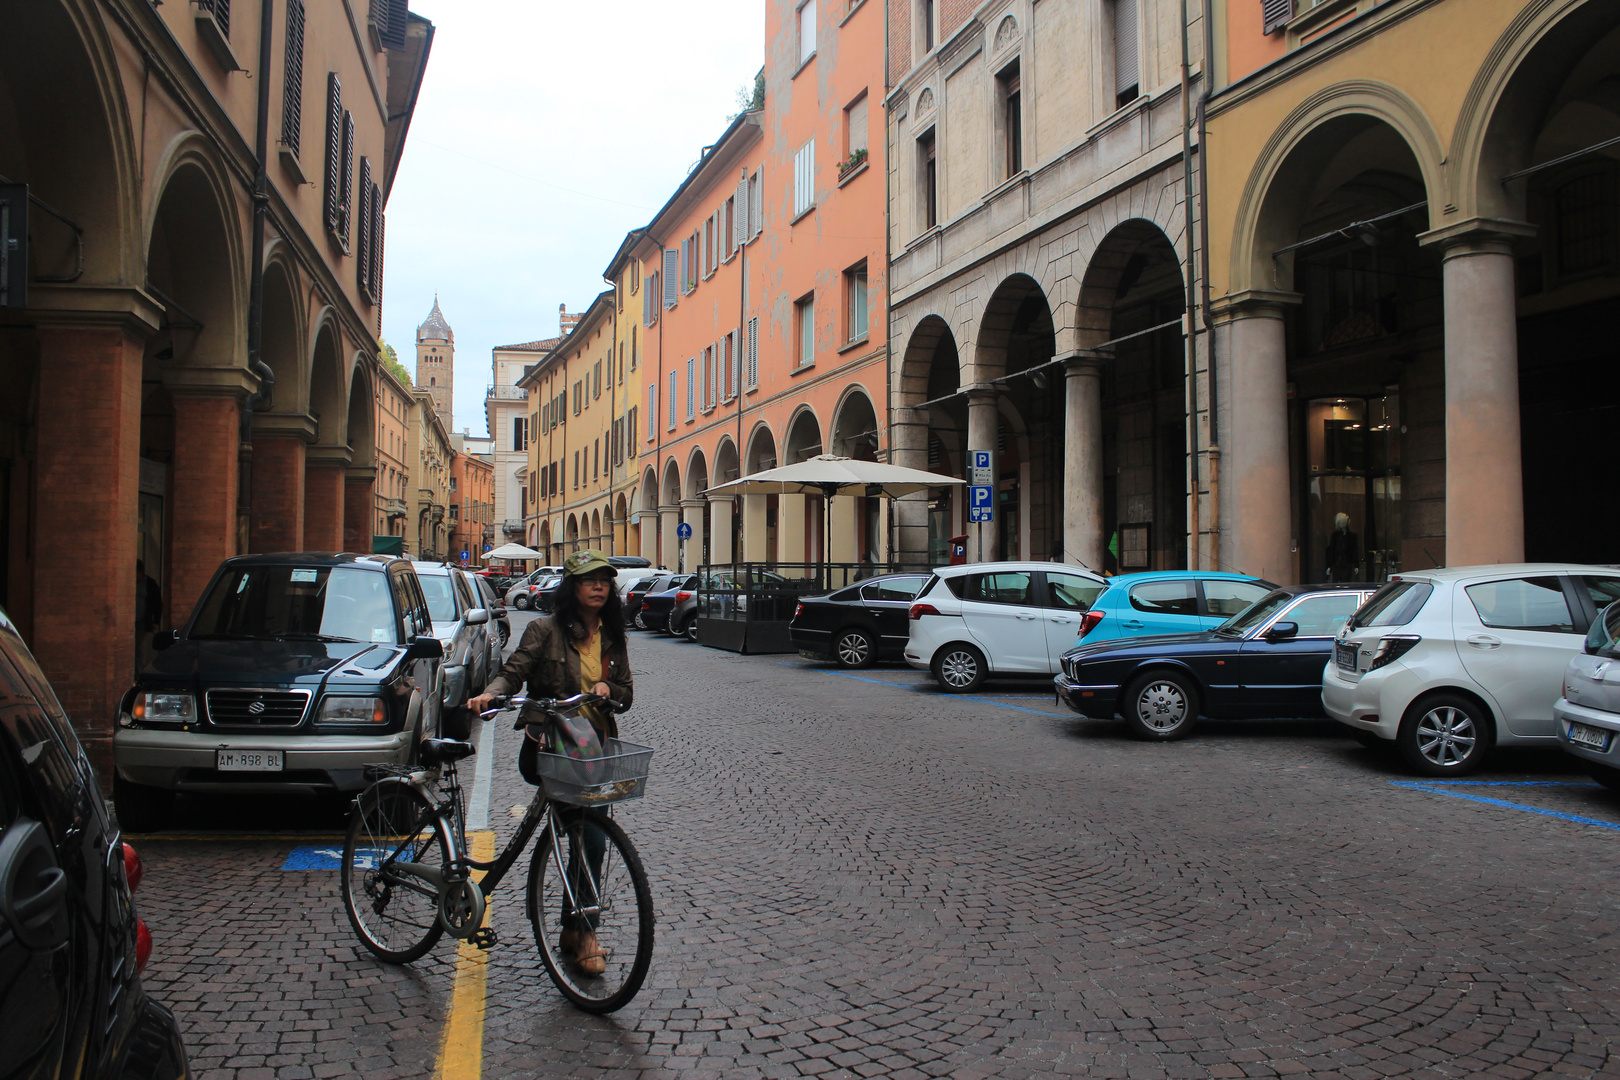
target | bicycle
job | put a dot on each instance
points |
(407, 872)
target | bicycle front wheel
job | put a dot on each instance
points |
(395, 913)
(590, 881)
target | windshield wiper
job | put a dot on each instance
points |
(317, 637)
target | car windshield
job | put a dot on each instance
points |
(440, 595)
(1253, 615)
(296, 602)
(1396, 604)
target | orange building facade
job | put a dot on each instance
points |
(763, 328)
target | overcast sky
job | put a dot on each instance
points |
(544, 132)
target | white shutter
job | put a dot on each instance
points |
(756, 202)
(857, 125)
(652, 408)
(736, 347)
(673, 390)
(671, 277)
(739, 215)
(804, 178)
(1125, 53)
(691, 387)
(686, 263)
(753, 351)
(807, 30)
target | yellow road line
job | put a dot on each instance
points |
(461, 1051)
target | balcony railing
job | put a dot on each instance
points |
(506, 393)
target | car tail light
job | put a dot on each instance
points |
(798, 610)
(143, 944)
(132, 868)
(682, 597)
(919, 610)
(1391, 649)
(1089, 621)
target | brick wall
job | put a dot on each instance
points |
(899, 39)
(323, 507)
(278, 494)
(203, 490)
(358, 513)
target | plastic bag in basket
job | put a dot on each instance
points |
(576, 739)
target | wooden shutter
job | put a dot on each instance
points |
(739, 215)
(753, 351)
(334, 149)
(652, 407)
(292, 90)
(222, 14)
(377, 229)
(1275, 13)
(673, 390)
(672, 269)
(1125, 52)
(346, 183)
(362, 260)
(686, 263)
(393, 35)
(691, 387)
(756, 202)
(736, 337)
(858, 139)
(646, 307)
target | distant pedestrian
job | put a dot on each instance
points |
(1343, 551)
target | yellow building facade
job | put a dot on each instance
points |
(1413, 260)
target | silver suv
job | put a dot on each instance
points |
(461, 623)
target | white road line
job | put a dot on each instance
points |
(478, 809)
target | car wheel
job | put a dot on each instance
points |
(638, 622)
(521, 603)
(691, 630)
(1161, 706)
(140, 808)
(959, 668)
(1607, 775)
(854, 648)
(1444, 735)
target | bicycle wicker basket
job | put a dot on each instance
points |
(619, 774)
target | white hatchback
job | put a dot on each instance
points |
(973, 621)
(1448, 663)
(1588, 714)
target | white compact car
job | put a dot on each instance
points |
(1448, 663)
(977, 620)
(1588, 714)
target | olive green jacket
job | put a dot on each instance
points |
(545, 665)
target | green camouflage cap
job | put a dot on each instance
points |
(584, 562)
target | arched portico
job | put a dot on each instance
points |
(669, 516)
(760, 522)
(858, 533)
(930, 413)
(800, 518)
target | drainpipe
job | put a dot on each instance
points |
(738, 520)
(1214, 450)
(261, 398)
(1190, 335)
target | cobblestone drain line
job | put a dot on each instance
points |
(852, 884)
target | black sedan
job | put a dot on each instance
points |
(855, 626)
(1265, 661)
(656, 606)
(638, 593)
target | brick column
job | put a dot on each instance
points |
(202, 496)
(278, 493)
(359, 509)
(325, 471)
(89, 482)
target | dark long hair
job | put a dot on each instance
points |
(565, 610)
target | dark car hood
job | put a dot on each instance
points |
(266, 661)
(1083, 651)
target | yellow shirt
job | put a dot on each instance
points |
(590, 661)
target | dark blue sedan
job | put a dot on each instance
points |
(1265, 661)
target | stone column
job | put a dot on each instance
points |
(1484, 467)
(669, 551)
(202, 493)
(359, 509)
(790, 526)
(692, 514)
(279, 444)
(908, 434)
(1083, 539)
(842, 546)
(88, 475)
(325, 474)
(984, 543)
(1255, 510)
(755, 532)
(647, 527)
(720, 526)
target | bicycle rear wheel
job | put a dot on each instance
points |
(613, 897)
(395, 913)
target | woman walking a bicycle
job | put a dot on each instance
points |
(580, 647)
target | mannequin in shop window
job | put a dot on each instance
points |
(1343, 551)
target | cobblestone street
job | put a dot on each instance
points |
(856, 876)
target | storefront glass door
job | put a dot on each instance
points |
(1353, 497)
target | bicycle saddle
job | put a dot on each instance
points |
(439, 751)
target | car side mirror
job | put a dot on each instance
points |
(1283, 631)
(477, 616)
(164, 638)
(424, 647)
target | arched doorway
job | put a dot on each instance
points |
(695, 510)
(360, 477)
(1131, 302)
(801, 518)
(1015, 345)
(929, 431)
(326, 462)
(669, 517)
(857, 520)
(647, 516)
(725, 518)
(760, 526)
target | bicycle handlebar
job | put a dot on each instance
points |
(503, 702)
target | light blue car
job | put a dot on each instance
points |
(1168, 602)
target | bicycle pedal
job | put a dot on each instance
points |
(484, 938)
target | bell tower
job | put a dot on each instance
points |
(435, 363)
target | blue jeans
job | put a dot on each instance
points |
(594, 842)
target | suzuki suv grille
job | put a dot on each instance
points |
(254, 708)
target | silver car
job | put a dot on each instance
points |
(1588, 712)
(461, 623)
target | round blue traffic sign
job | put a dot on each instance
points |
(683, 531)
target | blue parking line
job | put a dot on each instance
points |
(1433, 789)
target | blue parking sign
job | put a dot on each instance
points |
(981, 503)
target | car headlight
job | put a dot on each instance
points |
(164, 708)
(354, 710)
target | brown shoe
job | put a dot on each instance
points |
(589, 956)
(568, 942)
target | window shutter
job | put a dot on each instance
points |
(1276, 13)
(753, 351)
(691, 387)
(377, 228)
(739, 215)
(736, 361)
(1125, 54)
(393, 35)
(292, 90)
(362, 260)
(652, 407)
(222, 14)
(646, 307)
(686, 263)
(857, 125)
(673, 390)
(756, 204)
(672, 269)
(334, 149)
(346, 183)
